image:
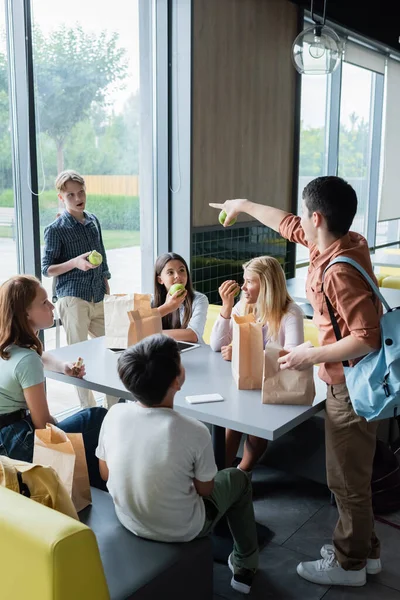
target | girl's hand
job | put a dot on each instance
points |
(76, 369)
(173, 302)
(226, 352)
(227, 293)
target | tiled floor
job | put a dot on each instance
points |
(301, 520)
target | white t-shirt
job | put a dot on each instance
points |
(152, 455)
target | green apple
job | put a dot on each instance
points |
(95, 258)
(237, 292)
(222, 217)
(175, 288)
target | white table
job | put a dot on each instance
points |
(206, 372)
(297, 289)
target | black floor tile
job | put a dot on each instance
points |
(371, 591)
(284, 503)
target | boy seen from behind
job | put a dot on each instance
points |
(160, 465)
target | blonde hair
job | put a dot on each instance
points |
(65, 176)
(273, 299)
(16, 296)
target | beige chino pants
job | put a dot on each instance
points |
(81, 319)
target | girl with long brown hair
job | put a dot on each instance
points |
(183, 312)
(264, 293)
(24, 311)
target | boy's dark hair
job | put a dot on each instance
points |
(335, 199)
(148, 368)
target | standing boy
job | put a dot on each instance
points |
(329, 207)
(80, 285)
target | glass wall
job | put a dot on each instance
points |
(86, 69)
(355, 136)
(313, 137)
(340, 134)
(8, 227)
(86, 85)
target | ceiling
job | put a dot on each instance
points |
(378, 21)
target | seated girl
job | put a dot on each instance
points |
(24, 310)
(264, 294)
(183, 312)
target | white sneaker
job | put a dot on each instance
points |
(374, 565)
(327, 571)
(241, 578)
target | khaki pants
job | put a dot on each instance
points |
(80, 320)
(350, 448)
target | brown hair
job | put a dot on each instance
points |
(65, 176)
(172, 320)
(16, 296)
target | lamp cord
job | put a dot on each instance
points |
(323, 14)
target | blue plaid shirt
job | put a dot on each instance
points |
(67, 238)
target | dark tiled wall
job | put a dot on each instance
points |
(218, 254)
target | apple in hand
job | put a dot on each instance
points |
(222, 217)
(95, 258)
(237, 292)
(175, 288)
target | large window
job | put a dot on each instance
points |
(86, 68)
(86, 74)
(355, 136)
(8, 226)
(313, 137)
(340, 134)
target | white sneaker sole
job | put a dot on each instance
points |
(373, 566)
(236, 585)
(318, 581)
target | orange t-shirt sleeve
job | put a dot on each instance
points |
(353, 301)
(291, 229)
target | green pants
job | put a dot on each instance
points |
(232, 497)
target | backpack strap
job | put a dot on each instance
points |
(360, 269)
(373, 286)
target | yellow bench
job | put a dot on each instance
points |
(310, 332)
(386, 271)
(212, 316)
(391, 282)
(45, 555)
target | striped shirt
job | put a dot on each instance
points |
(65, 239)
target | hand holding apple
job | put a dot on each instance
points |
(173, 301)
(95, 258)
(228, 292)
(231, 208)
(81, 262)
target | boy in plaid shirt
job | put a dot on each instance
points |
(80, 286)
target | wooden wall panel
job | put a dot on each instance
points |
(243, 103)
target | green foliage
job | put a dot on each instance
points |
(113, 212)
(74, 70)
(353, 149)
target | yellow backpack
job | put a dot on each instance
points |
(38, 483)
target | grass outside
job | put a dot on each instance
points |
(112, 238)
